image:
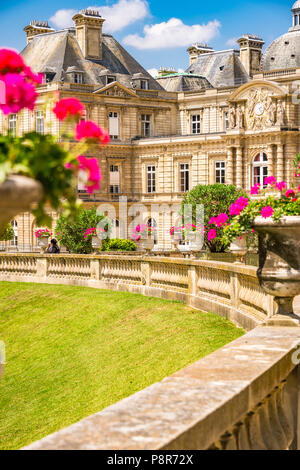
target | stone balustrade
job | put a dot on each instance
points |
(228, 289)
(244, 396)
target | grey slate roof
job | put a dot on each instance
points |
(181, 82)
(60, 53)
(283, 53)
(221, 69)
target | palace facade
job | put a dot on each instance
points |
(232, 117)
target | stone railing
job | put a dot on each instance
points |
(230, 290)
(244, 396)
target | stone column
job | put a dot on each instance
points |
(239, 167)
(270, 161)
(41, 267)
(229, 169)
(280, 172)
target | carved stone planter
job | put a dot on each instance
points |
(239, 248)
(96, 244)
(195, 241)
(43, 243)
(279, 262)
(146, 244)
(18, 194)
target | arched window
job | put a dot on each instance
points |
(260, 169)
(152, 223)
(14, 225)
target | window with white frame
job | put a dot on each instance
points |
(12, 124)
(146, 125)
(114, 179)
(144, 85)
(220, 172)
(78, 78)
(113, 119)
(14, 241)
(184, 171)
(151, 179)
(226, 120)
(196, 124)
(39, 122)
(260, 169)
(153, 224)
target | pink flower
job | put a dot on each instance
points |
(36, 78)
(290, 193)
(255, 189)
(270, 180)
(239, 206)
(221, 219)
(91, 167)
(212, 221)
(10, 62)
(267, 211)
(90, 131)
(68, 108)
(281, 185)
(19, 94)
(211, 235)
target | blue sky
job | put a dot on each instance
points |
(156, 32)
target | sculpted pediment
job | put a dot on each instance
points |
(257, 105)
(116, 89)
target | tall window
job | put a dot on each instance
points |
(78, 78)
(226, 120)
(184, 177)
(196, 124)
(144, 85)
(260, 169)
(220, 172)
(12, 124)
(151, 183)
(14, 225)
(113, 125)
(146, 125)
(39, 122)
(153, 224)
(114, 179)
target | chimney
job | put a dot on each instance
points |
(198, 49)
(251, 53)
(89, 33)
(37, 27)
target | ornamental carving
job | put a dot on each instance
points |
(262, 110)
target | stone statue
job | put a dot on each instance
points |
(239, 118)
(232, 117)
(280, 114)
(272, 114)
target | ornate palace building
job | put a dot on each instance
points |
(232, 117)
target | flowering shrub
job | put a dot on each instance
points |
(270, 205)
(7, 233)
(93, 232)
(57, 167)
(44, 232)
(142, 231)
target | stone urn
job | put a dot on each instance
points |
(195, 240)
(238, 248)
(146, 244)
(43, 243)
(279, 262)
(96, 244)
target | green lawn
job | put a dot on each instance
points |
(72, 351)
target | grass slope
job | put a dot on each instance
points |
(72, 351)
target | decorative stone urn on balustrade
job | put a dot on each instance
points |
(146, 245)
(17, 194)
(238, 248)
(43, 243)
(279, 264)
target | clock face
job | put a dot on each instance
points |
(259, 109)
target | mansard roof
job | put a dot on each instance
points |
(184, 82)
(221, 68)
(60, 52)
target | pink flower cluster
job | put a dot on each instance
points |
(220, 220)
(93, 232)
(19, 83)
(141, 231)
(90, 167)
(211, 235)
(69, 108)
(255, 189)
(238, 206)
(267, 211)
(88, 130)
(271, 180)
(43, 232)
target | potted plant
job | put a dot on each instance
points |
(143, 235)
(275, 215)
(94, 234)
(42, 236)
(194, 234)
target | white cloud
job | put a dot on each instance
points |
(153, 72)
(117, 16)
(173, 33)
(63, 18)
(232, 42)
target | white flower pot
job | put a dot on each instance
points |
(195, 240)
(96, 243)
(43, 243)
(238, 247)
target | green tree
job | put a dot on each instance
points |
(7, 233)
(70, 233)
(216, 199)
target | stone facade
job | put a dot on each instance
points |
(228, 118)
